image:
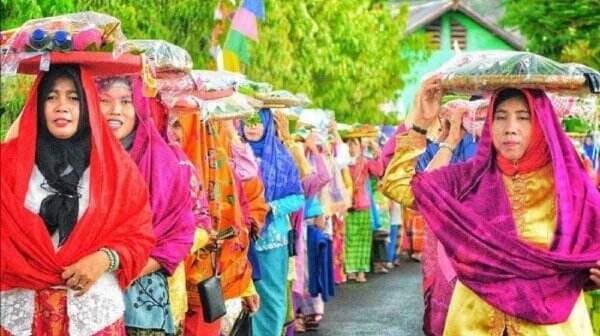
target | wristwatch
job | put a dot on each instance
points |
(447, 145)
(419, 129)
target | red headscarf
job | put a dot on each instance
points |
(537, 154)
(118, 215)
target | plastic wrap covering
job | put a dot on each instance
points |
(291, 113)
(234, 106)
(175, 85)
(474, 72)
(252, 88)
(162, 57)
(86, 31)
(318, 118)
(474, 118)
(282, 98)
(217, 80)
(583, 107)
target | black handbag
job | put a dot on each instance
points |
(292, 238)
(242, 325)
(211, 295)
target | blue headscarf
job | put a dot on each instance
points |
(279, 173)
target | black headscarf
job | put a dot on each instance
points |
(62, 161)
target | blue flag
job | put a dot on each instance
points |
(255, 6)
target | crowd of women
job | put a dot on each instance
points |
(115, 207)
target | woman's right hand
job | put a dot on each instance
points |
(428, 101)
(283, 126)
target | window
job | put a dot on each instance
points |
(433, 30)
(458, 33)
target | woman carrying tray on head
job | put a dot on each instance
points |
(284, 194)
(129, 116)
(519, 222)
(75, 223)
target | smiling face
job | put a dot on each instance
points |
(116, 104)
(511, 128)
(61, 108)
(254, 132)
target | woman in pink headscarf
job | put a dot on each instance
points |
(519, 222)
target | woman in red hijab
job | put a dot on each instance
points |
(75, 223)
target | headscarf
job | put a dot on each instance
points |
(169, 184)
(118, 215)
(277, 167)
(540, 286)
(54, 157)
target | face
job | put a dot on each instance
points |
(116, 104)
(511, 128)
(354, 147)
(61, 109)
(444, 130)
(254, 132)
(177, 131)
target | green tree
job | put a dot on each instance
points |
(565, 30)
(345, 55)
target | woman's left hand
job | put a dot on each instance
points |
(251, 303)
(82, 275)
(595, 274)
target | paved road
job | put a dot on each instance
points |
(389, 304)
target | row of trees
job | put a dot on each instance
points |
(345, 55)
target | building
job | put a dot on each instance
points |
(451, 24)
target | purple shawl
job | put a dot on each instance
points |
(467, 208)
(169, 186)
(279, 172)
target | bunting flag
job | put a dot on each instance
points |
(244, 22)
(257, 7)
(237, 43)
(244, 25)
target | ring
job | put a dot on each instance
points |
(78, 287)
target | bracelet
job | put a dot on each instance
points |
(448, 146)
(419, 130)
(112, 257)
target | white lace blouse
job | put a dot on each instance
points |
(100, 307)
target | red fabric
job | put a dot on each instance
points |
(97, 63)
(195, 325)
(118, 215)
(537, 154)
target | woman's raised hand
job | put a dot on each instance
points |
(428, 101)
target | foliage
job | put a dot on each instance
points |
(566, 30)
(345, 55)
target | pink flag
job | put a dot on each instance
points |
(244, 22)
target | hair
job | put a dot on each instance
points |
(106, 83)
(507, 94)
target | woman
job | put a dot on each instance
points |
(284, 195)
(358, 223)
(235, 201)
(523, 262)
(128, 115)
(75, 221)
